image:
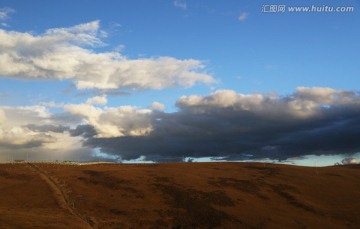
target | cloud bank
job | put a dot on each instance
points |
(34, 130)
(231, 125)
(69, 53)
(223, 124)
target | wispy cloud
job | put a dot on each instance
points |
(5, 12)
(180, 4)
(243, 16)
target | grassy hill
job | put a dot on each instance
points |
(178, 195)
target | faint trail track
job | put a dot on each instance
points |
(60, 195)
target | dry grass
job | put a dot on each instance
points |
(178, 195)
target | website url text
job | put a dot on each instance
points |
(306, 9)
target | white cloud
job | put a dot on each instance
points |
(325, 95)
(82, 34)
(23, 115)
(101, 100)
(223, 99)
(180, 4)
(64, 143)
(243, 16)
(304, 103)
(157, 106)
(62, 53)
(13, 130)
(33, 130)
(113, 121)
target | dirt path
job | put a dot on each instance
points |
(60, 195)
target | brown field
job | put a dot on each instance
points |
(178, 195)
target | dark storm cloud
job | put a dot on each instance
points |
(47, 128)
(234, 126)
(86, 131)
(26, 145)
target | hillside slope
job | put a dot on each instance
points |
(178, 195)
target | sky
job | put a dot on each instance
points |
(180, 80)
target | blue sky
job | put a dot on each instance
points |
(236, 47)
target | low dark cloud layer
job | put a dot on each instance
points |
(86, 131)
(309, 121)
(47, 128)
